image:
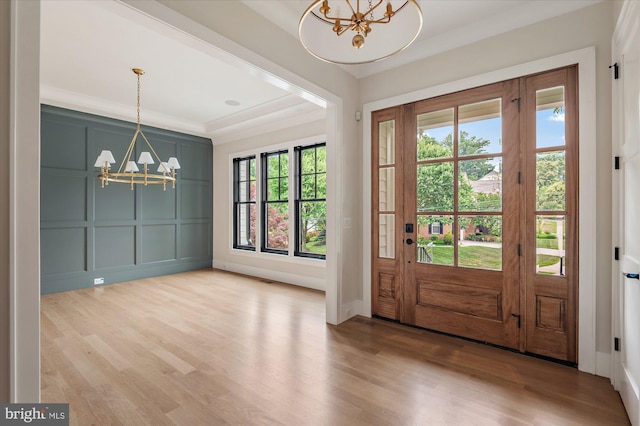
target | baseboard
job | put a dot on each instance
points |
(603, 364)
(350, 310)
(269, 274)
(631, 396)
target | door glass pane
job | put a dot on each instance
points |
(386, 142)
(550, 245)
(550, 111)
(435, 240)
(480, 185)
(387, 189)
(435, 134)
(386, 236)
(480, 242)
(480, 128)
(550, 181)
(435, 187)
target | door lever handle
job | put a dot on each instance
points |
(632, 276)
(409, 241)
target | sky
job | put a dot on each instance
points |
(549, 130)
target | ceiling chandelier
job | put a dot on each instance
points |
(128, 172)
(326, 26)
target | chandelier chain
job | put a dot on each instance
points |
(138, 101)
(371, 9)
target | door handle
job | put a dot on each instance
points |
(409, 241)
(632, 276)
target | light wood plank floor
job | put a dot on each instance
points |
(214, 348)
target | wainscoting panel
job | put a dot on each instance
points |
(114, 233)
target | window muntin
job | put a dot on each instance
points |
(459, 185)
(310, 202)
(244, 203)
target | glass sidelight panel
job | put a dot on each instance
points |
(435, 134)
(480, 128)
(387, 189)
(435, 187)
(550, 110)
(550, 181)
(480, 185)
(387, 236)
(435, 240)
(386, 142)
(551, 239)
(480, 242)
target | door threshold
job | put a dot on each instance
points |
(468, 339)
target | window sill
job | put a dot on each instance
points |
(257, 255)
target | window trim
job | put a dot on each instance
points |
(298, 199)
(237, 203)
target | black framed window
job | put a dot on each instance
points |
(311, 201)
(275, 202)
(244, 203)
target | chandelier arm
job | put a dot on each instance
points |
(150, 147)
(351, 7)
(351, 26)
(384, 20)
(127, 155)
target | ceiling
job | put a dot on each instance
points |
(88, 48)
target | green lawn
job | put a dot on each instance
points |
(469, 256)
(546, 260)
(549, 227)
(480, 257)
(547, 243)
(317, 247)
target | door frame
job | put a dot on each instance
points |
(586, 60)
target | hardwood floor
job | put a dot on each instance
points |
(214, 348)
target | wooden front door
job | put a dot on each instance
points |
(474, 231)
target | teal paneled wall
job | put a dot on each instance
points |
(115, 233)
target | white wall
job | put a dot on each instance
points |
(306, 272)
(592, 26)
(280, 53)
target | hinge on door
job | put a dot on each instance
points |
(616, 253)
(518, 101)
(519, 250)
(616, 70)
(616, 163)
(517, 316)
(616, 344)
(519, 178)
